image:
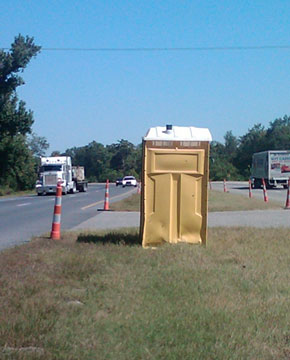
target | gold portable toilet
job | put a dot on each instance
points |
(174, 185)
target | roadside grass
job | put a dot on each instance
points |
(101, 296)
(218, 201)
(131, 203)
(6, 192)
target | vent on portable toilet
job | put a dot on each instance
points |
(168, 129)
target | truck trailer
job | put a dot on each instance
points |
(59, 169)
(273, 166)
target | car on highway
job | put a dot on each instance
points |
(129, 181)
(119, 181)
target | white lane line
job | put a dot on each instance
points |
(25, 204)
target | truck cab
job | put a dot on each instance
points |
(52, 171)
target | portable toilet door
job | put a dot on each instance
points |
(174, 185)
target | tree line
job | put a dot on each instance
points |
(229, 160)
(20, 148)
(232, 160)
(107, 162)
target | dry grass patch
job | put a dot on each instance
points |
(220, 201)
(91, 296)
(131, 203)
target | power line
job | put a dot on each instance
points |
(171, 49)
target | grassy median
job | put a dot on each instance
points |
(101, 296)
(218, 201)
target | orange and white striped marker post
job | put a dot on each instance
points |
(106, 202)
(55, 230)
(265, 191)
(250, 189)
(287, 206)
(139, 188)
(225, 186)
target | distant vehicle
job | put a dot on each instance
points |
(273, 166)
(58, 169)
(78, 173)
(119, 181)
(129, 181)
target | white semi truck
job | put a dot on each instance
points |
(56, 169)
(273, 166)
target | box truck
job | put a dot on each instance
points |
(59, 169)
(273, 166)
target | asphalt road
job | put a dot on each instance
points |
(242, 187)
(24, 217)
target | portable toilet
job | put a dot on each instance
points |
(174, 196)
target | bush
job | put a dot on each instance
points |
(5, 190)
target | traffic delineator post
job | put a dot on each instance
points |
(210, 186)
(55, 229)
(106, 202)
(139, 188)
(225, 186)
(265, 191)
(250, 189)
(287, 205)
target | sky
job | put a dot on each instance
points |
(86, 95)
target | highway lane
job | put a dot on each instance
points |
(242, 187)
(27, 216)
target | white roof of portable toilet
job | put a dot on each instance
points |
(178, 133)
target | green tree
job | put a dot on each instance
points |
(231, 145)
(18, 168)
(94, 157)
(278, 134)
(253, 141)
(139, 160)
(37, 144)
(15, 119)
(56, 153)
(125, 158)
(221, 166)
(108, 162)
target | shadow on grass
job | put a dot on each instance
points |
(117, 238)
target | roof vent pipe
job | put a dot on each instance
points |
(168, 129)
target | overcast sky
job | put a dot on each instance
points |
(101, 95)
